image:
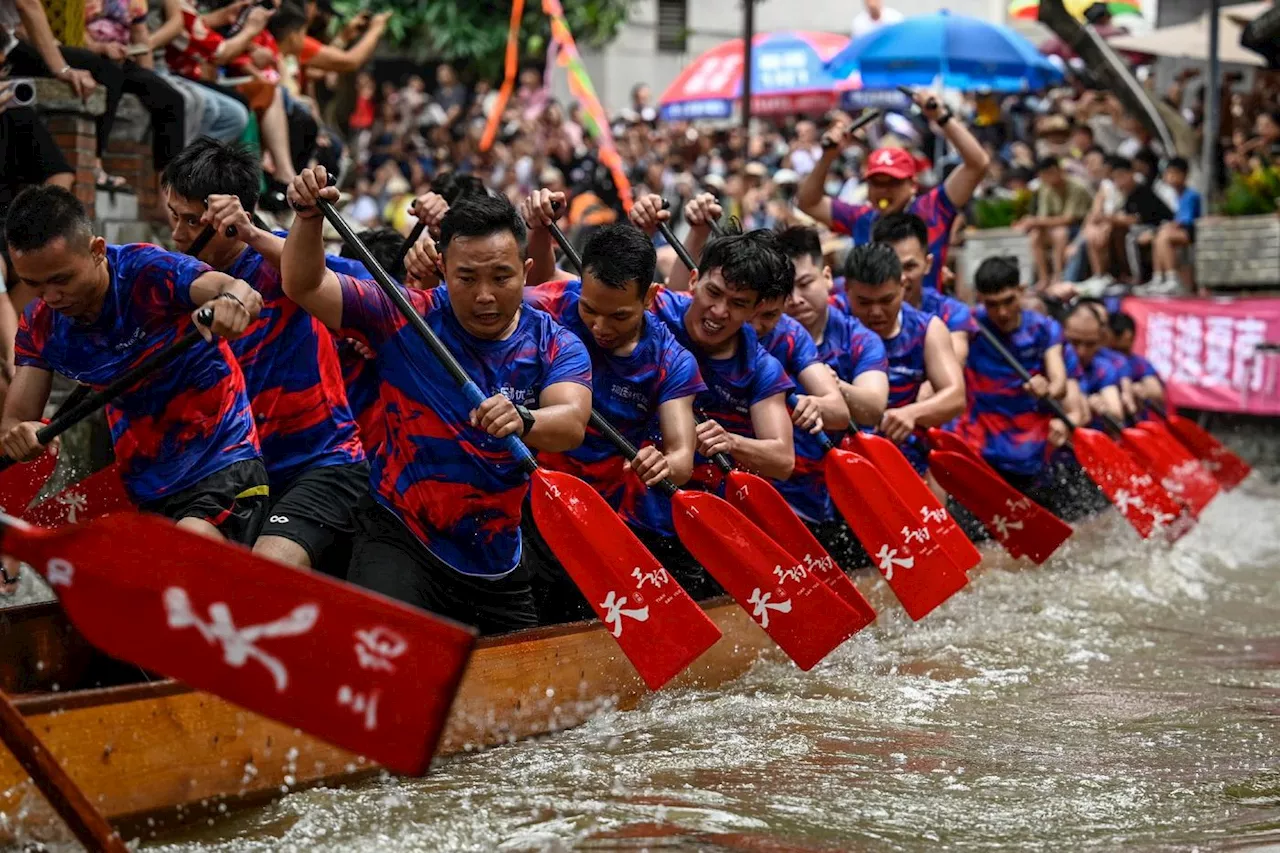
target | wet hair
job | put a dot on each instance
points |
(1044, 164)
(452, 187)
(997, 274)
(210, 167)
(287, 20)
(1178, 163)
(872, 263)
(482, 216)
(40, 215)
(800, 242)
(752, 261)
(1121, 323)
(619, 255)
(383, 243)
(901, 226)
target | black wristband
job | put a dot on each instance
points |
(944, 118)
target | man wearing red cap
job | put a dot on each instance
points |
(890, 174)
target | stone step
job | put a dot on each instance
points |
(117, 231)
(115, 206)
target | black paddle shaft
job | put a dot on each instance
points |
(1004, 353)
(722, 460)
(393, 292)
(69, 416)
(861, 121)
(824, 440)
(407, 245)
(681, 252)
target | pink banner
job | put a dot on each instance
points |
(1222, 355)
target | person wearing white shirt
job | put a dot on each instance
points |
(873, 16)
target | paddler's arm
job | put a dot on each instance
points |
(866, 396)
(676, 422)
(1107, 402)
(811, 197)
(23, 408)
(226, 211)
(960, 346)
(234, 302)
(1150, 388)
(771, 453)
(559, 422)
(538, 211)
(821, 386)
(303, 274)
(1055, 369)
(975, 161)
(944, 374)
(1127, 398)
(1076, 404)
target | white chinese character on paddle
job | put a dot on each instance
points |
(824, 563)
(1004, 525)
(238, 643)
(74, 502)
(1124, 501)
(889, 558)
(937, 515)
(613, 612)
(377, 647)
(361, 703)
(657, 578)
(919, 536)
(760, 606)
(791, 573)
(1019, 505)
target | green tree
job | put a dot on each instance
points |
(472, 34)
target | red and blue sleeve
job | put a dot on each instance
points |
(33, 333)
(845, 216)
(681, 377)
(369, 315)
(158, 276)
(870, 355)
(567, 359)
(548, 297)
(804, 352)
(770, 377)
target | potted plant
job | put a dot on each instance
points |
(1240, 247)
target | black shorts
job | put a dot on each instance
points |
(234, 500)
(314, 511)
(841, 543)
(387, 558)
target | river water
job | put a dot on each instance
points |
(1123, 696)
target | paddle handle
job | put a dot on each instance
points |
(407, 245)
(393, 292)
(717, 230)
(1003, 352)
(73, 413)
(72, 804)
(627, 449)
(722, 460)
(1113, 424)
(824, 440)
(861, 121)
(202, 239)
(681, 251)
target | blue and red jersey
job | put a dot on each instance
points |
(1107, 368)
(458, 489)
(1072, 361)
(295, 384)
(734, 384)
(1008, 425)
(934, 207)
(1140, 368)
(905, 352)
(792, 345)
(184, 423)
(627, 390)
(957, 315)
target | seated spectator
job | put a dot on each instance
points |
(112, 28)
(221, 113)
(1061, 206)
(1098, 224)
(1140, 216)
(1176, 234)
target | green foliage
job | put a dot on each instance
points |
(1001, 211)
(473, 35)
(1257, 192)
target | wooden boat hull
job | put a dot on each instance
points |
(164, 754)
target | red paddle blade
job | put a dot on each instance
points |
(20, 483)
(365, 673)
(1018, 523)
(657, 625)
(94, 496)
(1227, 467)
(912, 561)
(799, 612)
(1130, 489)
(915, 493)
(1180, 453)
(940, 439)
(760, 502)
(1181, 477)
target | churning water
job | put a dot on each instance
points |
(1123, 696)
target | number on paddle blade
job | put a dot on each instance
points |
(759, 501)
(1019, 524)
(799, 612)
(365, 673)
(657, 625)
(912, 561)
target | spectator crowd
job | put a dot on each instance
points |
(1103, 208)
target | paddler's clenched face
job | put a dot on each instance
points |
(877, 305)
(1004, 308)
(718, 311)
(809, 295)
(916, 264)
(889, 195)
(613, 315)
(485, 277)
(184, 221)
(71, 277)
